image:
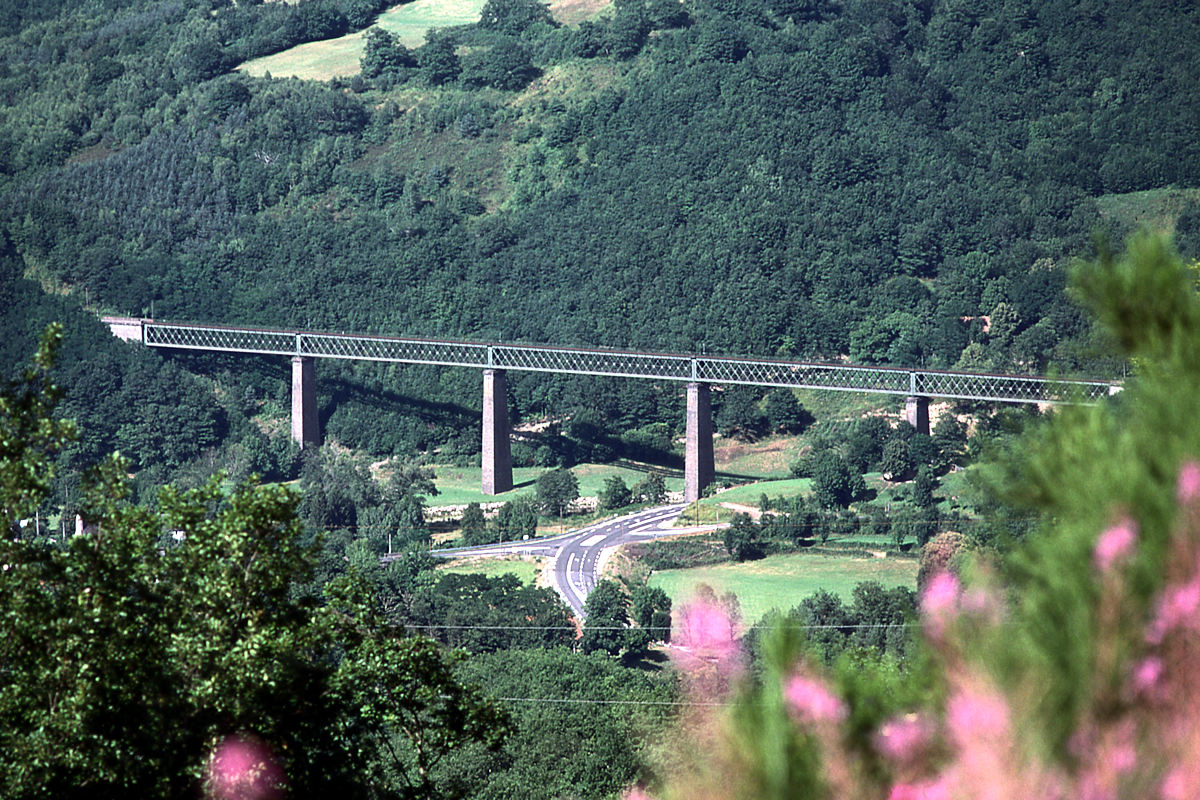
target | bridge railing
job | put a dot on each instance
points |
(627, 364)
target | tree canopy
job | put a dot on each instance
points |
(133, 648)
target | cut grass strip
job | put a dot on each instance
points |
(526, 571)
(781, 582)
(461, 485)
(340, 57)
(751, 492)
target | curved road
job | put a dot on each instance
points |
(576, 554)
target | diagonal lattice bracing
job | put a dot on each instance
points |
(627, 364)
(801, 375)
(592, 362)
(381, 348)
(1011, 388)
(230, 340)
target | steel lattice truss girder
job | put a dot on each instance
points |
(628, 364)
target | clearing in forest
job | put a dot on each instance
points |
(1156, 209)
(461, 485)
(340, 57)
(527, 572)
(783, 581)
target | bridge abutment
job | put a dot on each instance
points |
(916, 413)
(698, 468)
(497, 454)
(306, 429)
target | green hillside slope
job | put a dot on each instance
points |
(860, 179)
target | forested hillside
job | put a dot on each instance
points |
(891, 182)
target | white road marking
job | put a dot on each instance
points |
(592, 541)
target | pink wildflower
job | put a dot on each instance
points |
(636, 793)
(1176, 607)
(1123, 758)
(939, 603)
(1187, 486)
(941, 594)
(976, 715)
(241, 768)
(904, 739)
(1114, 545)
(1147, 674)
(1175, 785)
(707, 628)
(812, 702)
(705, 647)
(927, 790)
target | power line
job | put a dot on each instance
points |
(589, 701)
(822, 626)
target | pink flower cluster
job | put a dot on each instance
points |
(1177, 608)
(1115, 545)
(1187, 485)
(1140, 738)
(242, 768)
(905, 740)
(706, 630)
(812, 702)
(939, 604)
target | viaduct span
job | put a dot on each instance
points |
(698, 372)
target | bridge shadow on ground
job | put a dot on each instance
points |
(336, 392)
(676, 470)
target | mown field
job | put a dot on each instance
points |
(461, 485)
(750, 493)
(783, 581)
(526, 571)
(1156, 209)
(339, 57)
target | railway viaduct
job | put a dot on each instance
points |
(697, 372)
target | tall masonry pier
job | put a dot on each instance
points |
(306, 428)
(916, 413)
(698, 467)
(497, 455)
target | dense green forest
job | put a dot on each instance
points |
(889, 182)
(211, 621)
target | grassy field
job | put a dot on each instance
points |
(769, 458)
(340, 57)
(955, 491)
(782, 581)
(748, 495)
(460, 485)
(410, 21)
(1157, 209)
(526, 571)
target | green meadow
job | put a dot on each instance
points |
(461, 485)
(783, 581)
(526, 571)
(339, 57)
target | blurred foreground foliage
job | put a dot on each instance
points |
(1061, 665)
(133, 649)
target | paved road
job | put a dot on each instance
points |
(577, 554)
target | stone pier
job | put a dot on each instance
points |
(916, 413)
(497, 456)
(306, 429)
(698, 468)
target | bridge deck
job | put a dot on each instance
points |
(627, 364)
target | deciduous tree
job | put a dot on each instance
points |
(615, 494)
(129, 654)
(556, 490)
